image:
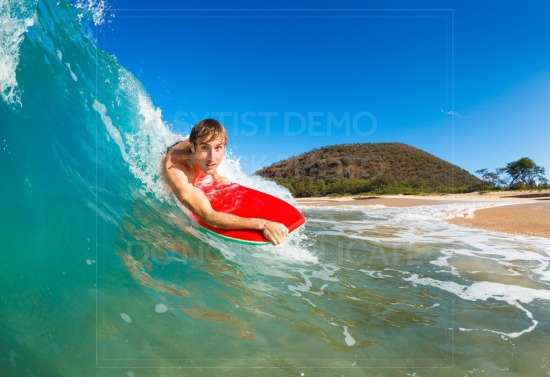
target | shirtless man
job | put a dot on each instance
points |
(197, 157)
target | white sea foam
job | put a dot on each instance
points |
(422, 229)
(144, 143)
(484, 290)
(419, 224)
(97, 9)
(231, 168)
(112, 131)
(15, 19)
(73, 75)
(324, 273)
(348, 338)
(520, 264)
(293, 249)
(148, 144)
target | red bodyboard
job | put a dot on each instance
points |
(246, 202)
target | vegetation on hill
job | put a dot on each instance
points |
(377, 168)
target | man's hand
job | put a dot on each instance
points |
(275, 233)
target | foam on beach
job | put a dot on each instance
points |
(482, 265)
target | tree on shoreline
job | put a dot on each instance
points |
(521, 173)
(491, 178)
(525, 172)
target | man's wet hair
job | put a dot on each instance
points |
(209, 130)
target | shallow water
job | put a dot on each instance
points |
(103, 275)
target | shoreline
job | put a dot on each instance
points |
(522, 212)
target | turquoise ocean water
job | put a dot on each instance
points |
(101, 274)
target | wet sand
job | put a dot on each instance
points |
(528, 219)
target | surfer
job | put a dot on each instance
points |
(196, 157)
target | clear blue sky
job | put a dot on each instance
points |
(466, 80)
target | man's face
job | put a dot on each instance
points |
(209, 154)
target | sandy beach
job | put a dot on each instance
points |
(521, 212)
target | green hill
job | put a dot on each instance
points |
(378, 168)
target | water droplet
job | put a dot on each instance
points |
(161, 308)
(125, 317)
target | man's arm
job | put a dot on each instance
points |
(197, 202)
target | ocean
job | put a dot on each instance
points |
(102, 274)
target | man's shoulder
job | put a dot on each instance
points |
(178, 145)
